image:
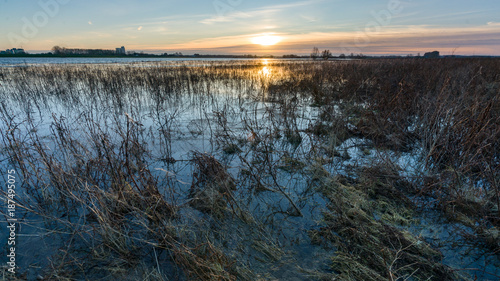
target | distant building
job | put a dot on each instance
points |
(120, 51)
(431, 55)
(14, 51)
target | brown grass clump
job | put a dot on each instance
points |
(205, 262)
(359, 225)
(212, 185)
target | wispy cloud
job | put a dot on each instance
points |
(234, 14)
(308, 18)
(229, 18)
(394, 39)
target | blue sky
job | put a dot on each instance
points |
(230, 26)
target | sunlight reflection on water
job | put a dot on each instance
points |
(266, 71)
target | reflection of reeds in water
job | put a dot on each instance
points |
(103, 151)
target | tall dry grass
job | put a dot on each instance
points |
(94, 168)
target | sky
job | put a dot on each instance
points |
(261, 27)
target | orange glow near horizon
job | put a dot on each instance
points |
(398, 40)
(266, 40)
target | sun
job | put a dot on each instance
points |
(266, 40)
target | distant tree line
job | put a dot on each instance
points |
(326, 54)
(87, 52)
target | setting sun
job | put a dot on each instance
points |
(266, 40)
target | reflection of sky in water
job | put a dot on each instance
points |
(195, 121)
(8, 61)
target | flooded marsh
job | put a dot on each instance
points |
(254, 169)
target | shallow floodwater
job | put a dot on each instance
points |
(208, 119)
(19, 61)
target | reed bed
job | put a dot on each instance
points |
(229, 170)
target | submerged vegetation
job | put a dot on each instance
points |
(255, 170)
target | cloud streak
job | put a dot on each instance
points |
(338, 25)
(394, 39)
(233, 14)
